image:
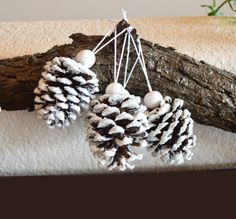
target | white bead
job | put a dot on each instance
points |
(153, 99)
(116, 88)
(86, 57)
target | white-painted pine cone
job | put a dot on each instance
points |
(170, 135)
(65, 89)
(116, 126)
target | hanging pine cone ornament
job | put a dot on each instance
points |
(116, 126)
(65, 89)
(170, 135)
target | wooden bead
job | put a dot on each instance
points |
(153, 99)
(86, 57)
(116, 88)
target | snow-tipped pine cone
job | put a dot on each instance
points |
(116, 126)
(65, 89)
(170, 135)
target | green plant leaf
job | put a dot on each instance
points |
(215, 10)
(234, 3)
(215, 13)
(219, 13)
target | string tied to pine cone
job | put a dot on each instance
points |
(65, 89)
(170, 135)
(68, 85)
(116, 127)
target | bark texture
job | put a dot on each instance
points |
(209, 93)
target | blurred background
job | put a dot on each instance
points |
(31, 10)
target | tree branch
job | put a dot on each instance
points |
(209, 93)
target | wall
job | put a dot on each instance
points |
(28, 10)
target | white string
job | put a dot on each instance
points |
(121, 57)
(141, 51)
(144, 65)
(108, 33)
(141, 61)
(137, 52)
(127, 59)
(131, 71)
(111, 40)
(124, 12)
(115, 45)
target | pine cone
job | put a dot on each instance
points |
(66, 88)
(117, 125)
(171, 131)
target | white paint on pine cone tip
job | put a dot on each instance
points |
(153, 99)
(116, 88)
(116, 129)
(48, 76)
(64, 81)
(124, 115)
(62, 105)
(86, 57)
(42, 85)
(125, 141)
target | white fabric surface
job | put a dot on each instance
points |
(28, 147)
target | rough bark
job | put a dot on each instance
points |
(209, 93)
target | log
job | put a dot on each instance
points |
(209, 92)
